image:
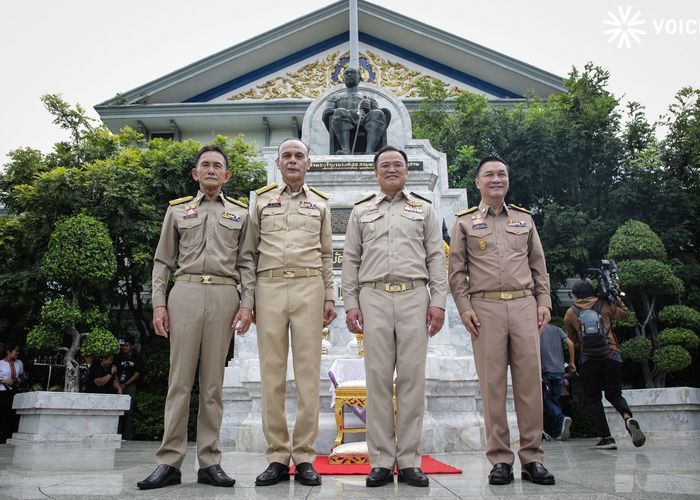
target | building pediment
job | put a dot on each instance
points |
(262, 87)
(387, 38)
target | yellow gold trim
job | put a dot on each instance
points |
(312, 79)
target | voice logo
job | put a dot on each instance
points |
(627, 27)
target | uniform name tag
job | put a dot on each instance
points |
(517, 223)
(307, 204)
(231, 216)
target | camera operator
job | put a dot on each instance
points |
(11, 375)
(600, 365)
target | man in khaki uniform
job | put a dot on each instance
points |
(291, 244)
(393, 249)
(204, 235)
(500, 284)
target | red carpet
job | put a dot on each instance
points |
(428, 464)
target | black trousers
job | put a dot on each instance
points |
(7, 415)
(603, 375)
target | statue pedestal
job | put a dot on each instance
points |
(453, 419)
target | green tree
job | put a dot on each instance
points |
(644, 273)
(79, 262)
(121, 180)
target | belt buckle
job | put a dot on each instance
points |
(206, 280)
(395, 287)
(506, 295)
(288, 274)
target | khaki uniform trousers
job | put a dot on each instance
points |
(200, 330)
(395, 335)
(283, 305)
(508, 335)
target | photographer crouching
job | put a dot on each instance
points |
(589, 325)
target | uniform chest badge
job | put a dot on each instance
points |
(231, 216)
(307, 204)
(373, 207)
(414, 207)
(517, 223)
(478, 222)
(482, 244)
(275, 202)
(191, 211)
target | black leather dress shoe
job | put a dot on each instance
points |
(215, 476)
(274, 473)
(306, 474)
(535, 472)
(379, 476)
(502, 473)
(413, 476)
(164, 475)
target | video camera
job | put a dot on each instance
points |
(608, 281)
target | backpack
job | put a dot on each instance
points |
(593, 337)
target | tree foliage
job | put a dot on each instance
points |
(79, 262)
(81, 224)
(648, 278)
(636, 240)
(80, 252)
(583, 166)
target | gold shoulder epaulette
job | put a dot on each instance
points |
(466, 211)
(265, 189)
(365, 198)
(516, 207)
(178, 201)
(320, 193)
(421, 197)
(236, 202)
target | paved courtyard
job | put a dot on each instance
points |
(663, 468)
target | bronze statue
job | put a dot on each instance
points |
(350, 113)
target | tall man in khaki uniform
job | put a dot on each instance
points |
(291, 244)
(500, 284)
(393, 249)
(204, 235)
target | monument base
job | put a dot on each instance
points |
(453, 420)
(62, 417)
(666, 412)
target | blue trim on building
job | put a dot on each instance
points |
(300, 55)
(470, 80)
(270, 68)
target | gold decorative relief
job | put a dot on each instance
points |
(312, 79)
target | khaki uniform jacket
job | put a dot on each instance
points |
(204, 237)
(607, 312)
(496, 253)
(291, 233)
(393, 240)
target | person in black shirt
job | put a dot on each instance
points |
(101, 376)
(129, 369)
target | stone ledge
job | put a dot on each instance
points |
(71, 401)
(666, 412)
(68, 417)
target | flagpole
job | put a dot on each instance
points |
(354, 43)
